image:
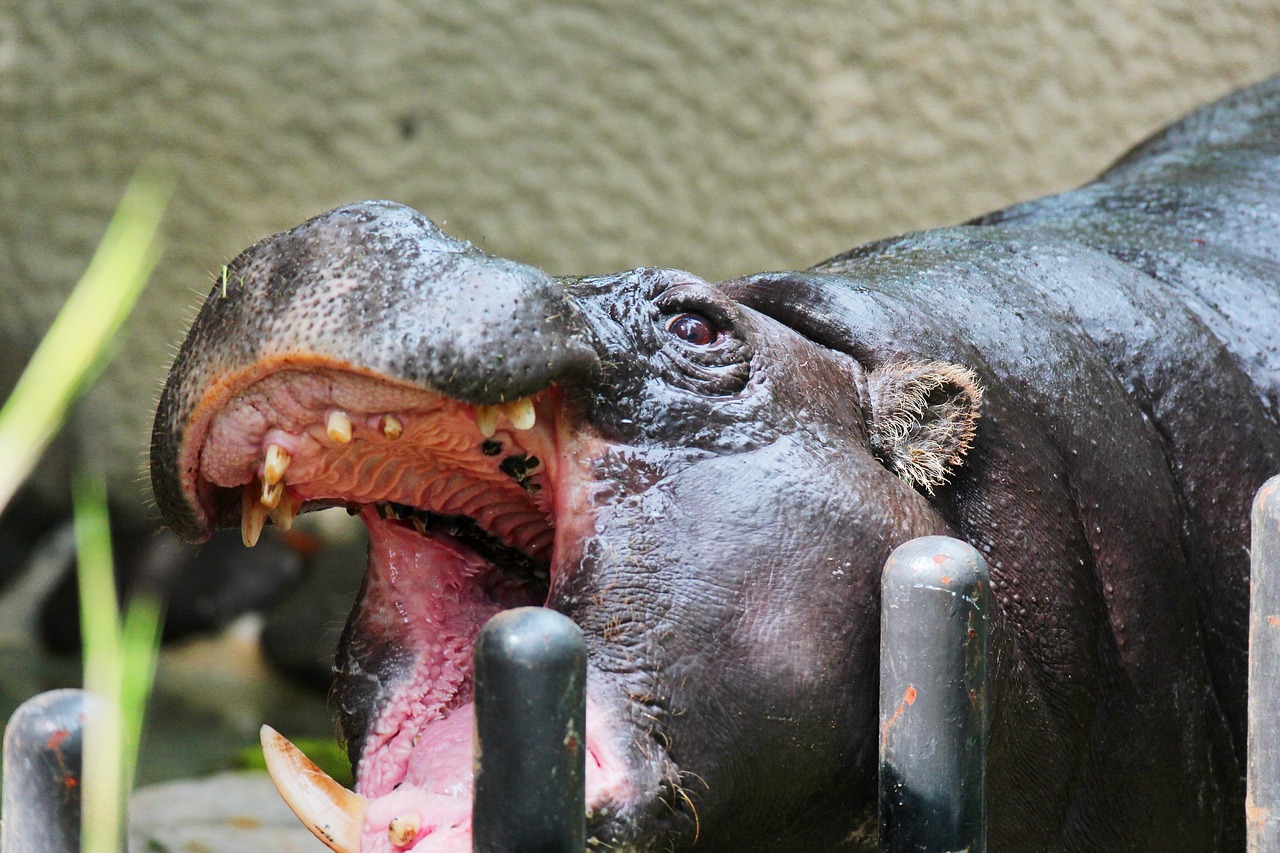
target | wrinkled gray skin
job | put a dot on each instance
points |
(1125, 337)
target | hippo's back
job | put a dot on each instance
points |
(1128, 333)
(1196, 207)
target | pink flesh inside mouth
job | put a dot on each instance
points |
(470, 511)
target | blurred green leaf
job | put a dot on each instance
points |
(119, 667)
(72, 352)
(325, 753)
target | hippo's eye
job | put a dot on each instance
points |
(699, 347)
(693, 329)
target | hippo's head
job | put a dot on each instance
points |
(708, 493)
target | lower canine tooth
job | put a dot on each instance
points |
(521, 413)
(403, 830)
(486, 420)
(332, 813)
(338, 427)
(252, 514)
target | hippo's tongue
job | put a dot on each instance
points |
(431, 810)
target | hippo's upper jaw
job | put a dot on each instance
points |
(639, 452)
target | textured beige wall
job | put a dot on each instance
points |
(584, 137)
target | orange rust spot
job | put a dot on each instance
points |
(1273, 620)
(939, 559)
(70, 781)
(57, 739)
(1256, 815)
(908, 698)
(946, 579)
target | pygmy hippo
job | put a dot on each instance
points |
(708, 477)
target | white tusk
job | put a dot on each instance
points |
(486, 419)
(521, 413)
(338, 427)
(332, 813)
(252, 513)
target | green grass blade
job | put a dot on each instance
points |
(102, 803)
(119, 667)
(140, 643)
(73, 349)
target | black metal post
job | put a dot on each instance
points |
(530, 764)
(43, 752)
(1262, 804)
(933, 725)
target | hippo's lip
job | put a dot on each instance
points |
(470, 510)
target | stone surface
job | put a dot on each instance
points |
(227, 813)
(584, 136)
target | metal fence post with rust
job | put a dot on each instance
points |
(933, 708)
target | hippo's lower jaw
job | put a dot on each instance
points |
(470, 510)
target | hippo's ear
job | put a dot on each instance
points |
(922, 419)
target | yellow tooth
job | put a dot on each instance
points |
(276, 463)
(286, 511)
(403, 830)
(332, 813)
(270, 496)
(252, 513)
(391, 427)
(521, 413)
(486, 420)
(338, 426)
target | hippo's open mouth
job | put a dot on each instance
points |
(470, 510)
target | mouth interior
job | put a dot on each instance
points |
(461, 506)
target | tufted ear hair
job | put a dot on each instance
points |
(923, 419)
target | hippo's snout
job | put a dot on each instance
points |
(376, 289)
(366, 359)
